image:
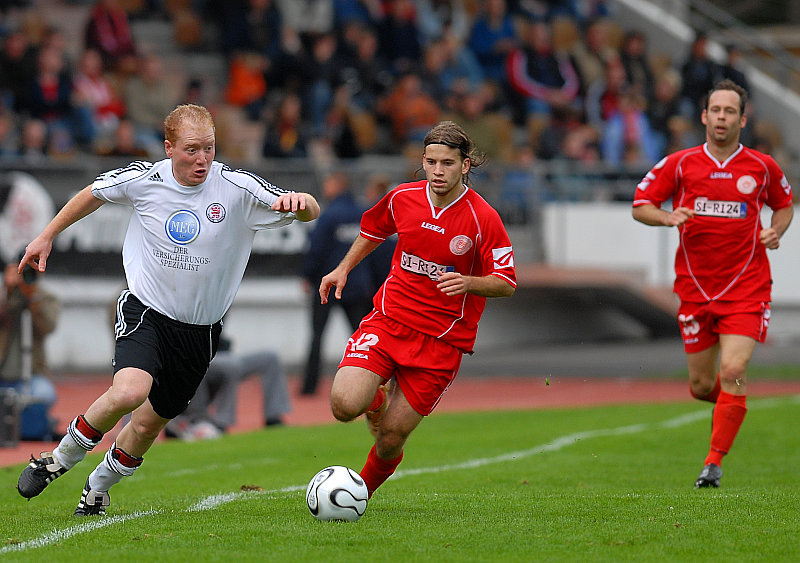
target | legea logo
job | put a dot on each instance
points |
(182, 227)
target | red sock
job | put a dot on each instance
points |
(380, 397)
(377, 470)
(728, 416)
(712, 395)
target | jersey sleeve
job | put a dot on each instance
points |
(259, 195)
(497, 253)
(659, 184)
(779, 192)
(377, 222)
(112, 186)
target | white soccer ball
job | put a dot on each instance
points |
(337, 493)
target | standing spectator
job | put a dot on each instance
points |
(638, 72)
(427, 311)
(249, 25)
(592, 53)
(730, 69)
(492, 38)
(399, 36)
(722, 271)
(698, 73)
(409, 109)
(664, 107)
(25, 297)
(247, 84)
(186, 249)
(338, 224)
(627, 137)
(94, 92)
(18, 62)
(108, 31)
(602, 96)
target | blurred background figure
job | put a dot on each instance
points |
(213, 408)
(28, 313)
(337, 226)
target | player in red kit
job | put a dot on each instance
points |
(452, 253)
(722, 272)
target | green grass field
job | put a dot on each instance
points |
(593, 484)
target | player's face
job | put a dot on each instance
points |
(445, 170)
(722, 118)
(192, 153)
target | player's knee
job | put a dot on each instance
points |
(146, 430)
(126, 399)
(344, 410)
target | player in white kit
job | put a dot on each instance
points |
(185, 252)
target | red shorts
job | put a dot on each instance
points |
(423, 365)
(702, 323)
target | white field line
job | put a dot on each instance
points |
(213, 501)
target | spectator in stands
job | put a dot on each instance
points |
(698, 74)
(213, 408)
(364, 71)
(17, 69)
(485, 128)
(399, 36)
(627, 137)
(249, 25)
(322, 68)
(366, 12)
(9, 136)
(285, 133)
(309, 17)
(730, 68)
(33, 141)
(94, 92)
(593, 52)
(123, 142)
(409, 109)
(247, 85)
(602, 96)
(666, 104)
(338, 223)
(24, 293)
(638, 71)
(149, 97)
(437, 18)
(541, 76)
(492, 38)
(108, 31)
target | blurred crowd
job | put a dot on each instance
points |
(546, 79)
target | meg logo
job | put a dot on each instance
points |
(182, 227)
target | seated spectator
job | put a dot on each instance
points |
(33, 141)
(37, 393)
(108, 31)
(638, 71)
(593, 52)
(399, 36)
(247, 86)
(249, 25)
(96, 94)
(18, 62)
(436, 18)
(602, 96)
(730, 69)
(485, 128)
(363, 70)
(149, 97)
(627, 137)
(698, 75)
(213, 408)
(285, 133)
(665, 104)
(123, 142)
(542, 77)
(492, 38)
(410, 110)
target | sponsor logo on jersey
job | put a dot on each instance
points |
(432, 227)
(729, 209)
(649, 177)
(690, 327)
(417, 265)
(660, 163)
(503, 257)
(156, 178)
(182, 227)
(785, 185)
(215, 212)
(721, 176)
(746, 184)
(460, 244)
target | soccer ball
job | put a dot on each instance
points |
(337, 493)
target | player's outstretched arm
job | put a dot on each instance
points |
(654, 216)
(360, 248)
(304, 206)
(81, 205)
(453, 283)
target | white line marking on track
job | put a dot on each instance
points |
(213, 501)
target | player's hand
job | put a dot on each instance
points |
(452, 283)
(335, 278)
(36, 254)
(679, 216)
(292, 201)
(769, 238)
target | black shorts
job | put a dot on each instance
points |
(175, 354)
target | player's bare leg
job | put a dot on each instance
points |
(353, 391)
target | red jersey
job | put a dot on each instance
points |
(719, 256)
(467, 236)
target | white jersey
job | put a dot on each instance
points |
(187, 247)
